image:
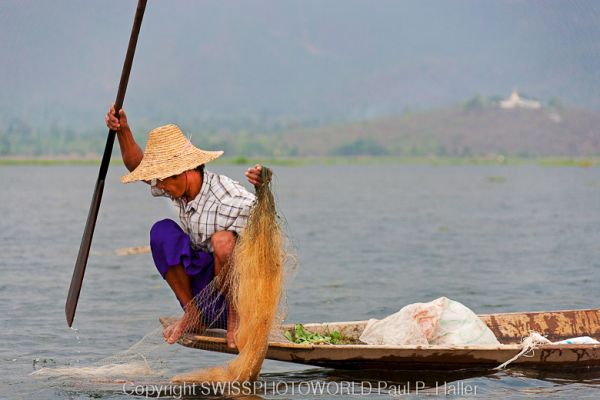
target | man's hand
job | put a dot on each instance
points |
(112, 122)
(173, 332)
(254, 175)
(189, 322)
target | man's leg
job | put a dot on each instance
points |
(169, 244)
(223, 244)
(179, 282)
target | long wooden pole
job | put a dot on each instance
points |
(88, 233)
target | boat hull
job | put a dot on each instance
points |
(509, 329)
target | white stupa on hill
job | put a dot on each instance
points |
(515, 101)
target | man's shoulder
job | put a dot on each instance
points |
(225, 188)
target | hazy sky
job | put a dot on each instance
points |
(197, 59)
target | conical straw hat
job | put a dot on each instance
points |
(168, 152)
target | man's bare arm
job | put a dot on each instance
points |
(131, 153)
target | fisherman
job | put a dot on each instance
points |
(213, 210)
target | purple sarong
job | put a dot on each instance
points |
(171, 247)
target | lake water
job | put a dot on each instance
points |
(370, 239)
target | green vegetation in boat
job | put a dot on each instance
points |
(300, 335)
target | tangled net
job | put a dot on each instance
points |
(253, 287)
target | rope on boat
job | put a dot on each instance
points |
(528, 344)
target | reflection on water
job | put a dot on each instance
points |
(370, 239)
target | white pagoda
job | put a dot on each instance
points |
(515, 101)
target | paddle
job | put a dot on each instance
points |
(86, 240)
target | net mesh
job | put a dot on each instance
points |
(253, 287)
(145, 359)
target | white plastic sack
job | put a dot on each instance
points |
(440, 322)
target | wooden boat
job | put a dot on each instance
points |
(509, 328)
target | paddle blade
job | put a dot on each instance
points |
(84, 251)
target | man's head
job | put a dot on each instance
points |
(168, 153)
(175, 186)
(179, 185)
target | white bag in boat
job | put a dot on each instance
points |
(439, 322)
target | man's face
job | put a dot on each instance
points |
(174, 185)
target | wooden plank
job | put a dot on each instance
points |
(558, 325)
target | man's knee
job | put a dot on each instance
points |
(160, 230)
(223, 243)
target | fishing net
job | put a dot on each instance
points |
(253, 289)
(145, 359)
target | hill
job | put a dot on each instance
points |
(476, 127)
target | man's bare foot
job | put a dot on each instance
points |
(231, 339)
(232, 325)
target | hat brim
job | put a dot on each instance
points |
(160, 169)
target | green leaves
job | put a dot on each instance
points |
(300, 335)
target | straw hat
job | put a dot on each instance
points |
(168, 152)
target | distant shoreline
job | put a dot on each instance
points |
(301, 161)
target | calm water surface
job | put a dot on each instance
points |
(370, 239)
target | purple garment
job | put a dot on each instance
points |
(171, 247)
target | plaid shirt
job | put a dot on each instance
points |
(222, 205)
